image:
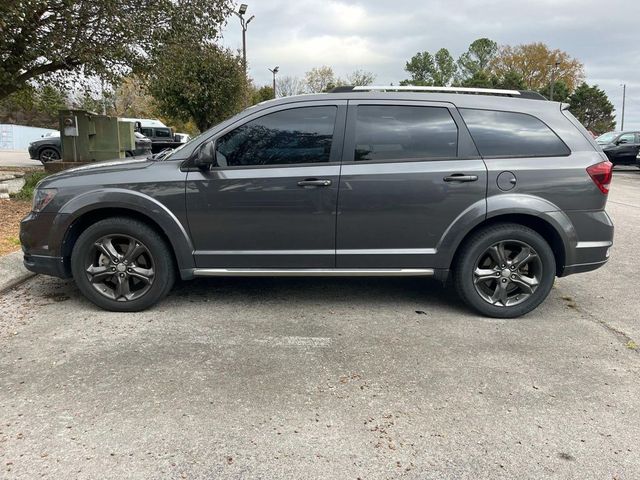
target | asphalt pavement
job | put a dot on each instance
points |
(17, 158)
(327, 378)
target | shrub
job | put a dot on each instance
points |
(30, 182)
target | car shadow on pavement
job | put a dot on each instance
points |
(408, 291)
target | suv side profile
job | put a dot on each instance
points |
(496, 190)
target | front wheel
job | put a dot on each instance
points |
(505, 270)
(122, 265)
(49, 155)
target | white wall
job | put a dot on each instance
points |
(18, 137)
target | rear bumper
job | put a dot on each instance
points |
(594, 230)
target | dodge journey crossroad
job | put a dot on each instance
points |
(495, 192)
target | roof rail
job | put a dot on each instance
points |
(414, 88)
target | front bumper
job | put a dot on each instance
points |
(39, 254)
(33, 153)
(54, 266)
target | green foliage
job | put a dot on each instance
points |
(477, 59)
(30, 182)
(420, 67)
(592, 107)
(427, 69)
(35, 106)
(560, 91)
(444, 69)
(261, 94)
(509, 81)
(203, 83)
(479, 79)
(44, 39)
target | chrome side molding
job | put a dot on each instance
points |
(313, 272)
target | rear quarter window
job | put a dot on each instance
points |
(512, 134)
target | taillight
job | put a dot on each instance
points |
(601, 174)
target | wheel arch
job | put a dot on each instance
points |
(79, 213)
(546, 226)
(51, 147)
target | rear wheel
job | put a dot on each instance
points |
(505, 271)
(123, 265)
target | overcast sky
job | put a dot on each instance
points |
(381, 35)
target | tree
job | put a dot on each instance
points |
(592, 107)
(479, 79)
(360, 78)
(444, 68)
(288, 86)
(427, 69)
(261, 94)
(509, 81)
(319, 78)
(132, 99)
(560, 91)
(34, 106)
(420, 67)
(534, 63)
(477, 59)
(44, 39)
(204, 83)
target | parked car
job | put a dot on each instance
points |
(497, 190)
(621, 147)
(49, 147)
(46, 149)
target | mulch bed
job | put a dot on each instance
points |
(11, 212)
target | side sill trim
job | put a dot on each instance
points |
(312, 272)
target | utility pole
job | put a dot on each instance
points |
(244, 24)
(553, 79)
(624, 98)
(274, 71)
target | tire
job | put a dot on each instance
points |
(48, 155)
(122, 265)
(512, 290)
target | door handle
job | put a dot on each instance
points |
(314, 182)
(460, 177)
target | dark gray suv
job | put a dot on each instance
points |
(496, 190)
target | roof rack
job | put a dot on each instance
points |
(413, 88)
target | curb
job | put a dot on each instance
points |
(12, 271)
(14, 282)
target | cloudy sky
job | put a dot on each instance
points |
(381, 35)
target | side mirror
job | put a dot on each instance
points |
(205, 156)
(622, 141)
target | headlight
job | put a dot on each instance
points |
(42, 197)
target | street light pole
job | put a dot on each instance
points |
(553, 80)
(624, 97)
(244, 24)
(274, 71)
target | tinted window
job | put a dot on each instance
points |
(627, 138)
(162, 133)
(299, 135)
(147, 132)
(508, 134)
(392, 132)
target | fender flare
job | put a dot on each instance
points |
(507, 205)
(106, 198)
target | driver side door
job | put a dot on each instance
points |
(271, 199)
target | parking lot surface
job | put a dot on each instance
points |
(327, 378)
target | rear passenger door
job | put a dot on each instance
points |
(409, 171)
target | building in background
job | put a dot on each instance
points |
(18, 137)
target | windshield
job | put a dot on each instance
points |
(607, 137)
